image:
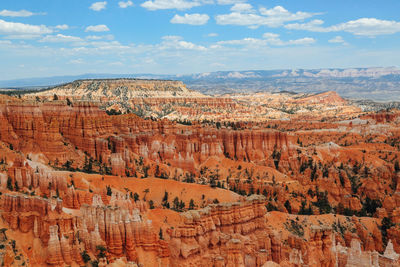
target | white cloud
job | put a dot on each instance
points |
(62, 27)
(173, 4)
(97, 28)
(100, 37)
(21, 36)
(274, 17)
(314, 25)
(236, 18)
(60, 38)
(302, 41)
(242, 7)
(126, 4)
(271, 39)
(168, 56)
(270, 35)
(337, 40)
(369, 27)
(97, 6)
(177, 42)
(279, 15)
(191, 19)
(274, 39)
(364, 27)
(244, 42)
(16, 28)
(213, 34)
(229, 2)
(21, 13)
(105, 45)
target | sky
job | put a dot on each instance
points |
(41, 38)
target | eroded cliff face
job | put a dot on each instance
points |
(218, 234)
(230, 234)
(241, 234)
(119, 228)
(323, 192)
(61, 133)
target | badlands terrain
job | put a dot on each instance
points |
(129, 172)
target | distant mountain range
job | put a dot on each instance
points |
(379, 84)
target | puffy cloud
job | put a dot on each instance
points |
(60, 38)
(112, 45)
(229, 2)
(100, 37)
(62, 27)
(16, 28)
(271, 39)
(173, 4)
(337, 40)
(274, 17)
(97, 6)
(244, 42)
(302, 41)
(369, 27)
(177, 42)
(364, 27)
(314, 25)
(237, 18)
(268, 35)
(191, 19)
(126, 4)
(21, 36)
(242, 7)
(97, 28)
(20, 13)
(274, 39)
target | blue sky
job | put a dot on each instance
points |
(56, 37)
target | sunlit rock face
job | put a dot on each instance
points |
(237, 180)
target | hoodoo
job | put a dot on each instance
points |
(126, 172)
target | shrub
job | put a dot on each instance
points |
(322, 203)
(109, 190)
(9, 184)
(102, 251)
(386, 224)
(191, 204)
(151, 204)
(85, 257)
(288, 206)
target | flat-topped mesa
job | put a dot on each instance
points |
(117, 89)
(132, 84)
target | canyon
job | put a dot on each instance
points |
(129, 172)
